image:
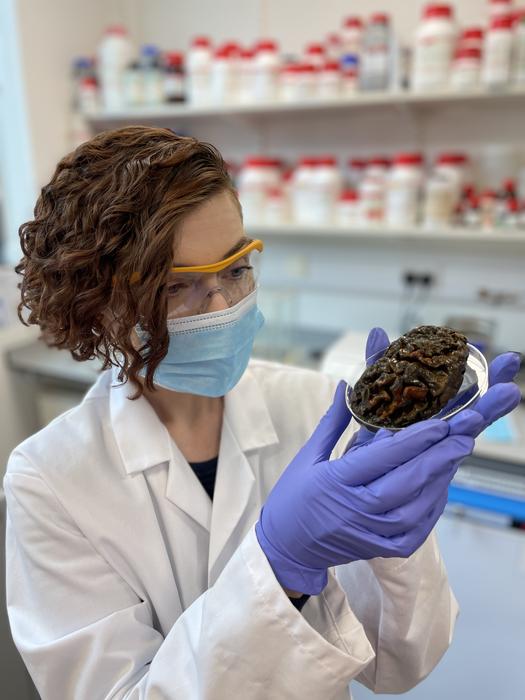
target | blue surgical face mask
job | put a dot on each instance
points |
(208, 354)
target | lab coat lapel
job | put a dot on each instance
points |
(184, 490)
(247, 429)
(144, 441)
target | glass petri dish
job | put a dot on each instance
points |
(475, 384)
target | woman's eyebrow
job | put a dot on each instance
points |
(241, 243)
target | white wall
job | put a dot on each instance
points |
(292, 22)
(51, 35)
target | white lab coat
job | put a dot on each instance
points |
(124, 582)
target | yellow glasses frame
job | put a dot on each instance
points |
(214, 267)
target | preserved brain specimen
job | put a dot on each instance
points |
(418, 375)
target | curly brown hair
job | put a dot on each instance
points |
(101, 242)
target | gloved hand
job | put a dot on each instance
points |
(380, 499)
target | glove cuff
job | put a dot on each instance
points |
(291, 574)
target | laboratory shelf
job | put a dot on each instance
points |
(168, 112)
(514, 239)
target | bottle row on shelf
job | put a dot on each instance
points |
(397, 192)
(359, 56)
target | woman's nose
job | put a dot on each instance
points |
(217, 302)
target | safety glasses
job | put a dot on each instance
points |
(191, 288)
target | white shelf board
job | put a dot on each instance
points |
(359, 100)
(507, 238)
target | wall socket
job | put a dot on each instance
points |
(414, 278)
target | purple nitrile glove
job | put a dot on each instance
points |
(380, 499)
(501, 398)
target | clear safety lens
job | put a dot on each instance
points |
(189, 293)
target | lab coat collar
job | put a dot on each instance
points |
(142, 440)
(246, 412)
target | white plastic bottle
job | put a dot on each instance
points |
(266, 67)
(224, 75)
(466, 69)
(376, 53)
(438, 202)
(499, 8)
(352, 35)
(315, 55)
(258, 175)
(471, 38)
(329, 81)
(452, 166)
(246, 81)
(497, 61)
(114, 54)
(327, 184)
(372, 192)
(198, 70)
(301, 188)
(404, 190)
(518, 71)
(434, 47)
(333, 46)
(277, 207)
(152, 77)
(347, 209)
(349, 74)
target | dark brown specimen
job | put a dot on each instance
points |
(418, 374)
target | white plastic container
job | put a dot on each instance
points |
(115, 52)
(452, 166)
(434, 47)
(133, 85)
(315, 55)
(372, 192)
(352, 35)
(266, 64)
(404, 190)
(347, 211)
(439, 202)
(466, 69)
(298, 82)
(518, 71)
(497, 60)
(333, 46)
(349, 74)
(152, 76)
(88, 95)
(471, 38)
(301, 189)
(329, 81)
(356, 168)
(246, 76)
(376, 54)
(499, 8)
(198, 70)
(327, 184)
(277, 207)
(256, 178)
(225, 75)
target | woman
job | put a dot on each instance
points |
(123, 580)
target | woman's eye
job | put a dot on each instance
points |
(176, 288)
(239, 272)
